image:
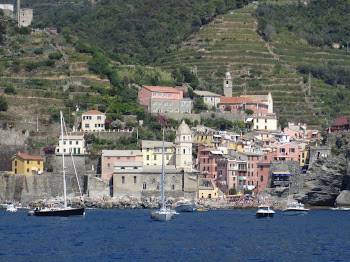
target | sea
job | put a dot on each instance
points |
(215, 235)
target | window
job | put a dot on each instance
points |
(170, 103)
(154, 94)
(27, 170)
(98, 117)
(173, 187)
(154, 103)
(16, 163)
(291, 150)
(76, 142)
(216, 169)
(262, 168)
(155, 157)
(265, 127)
(203, 160)
(64, 142)
(167, 157)
(159, 103)
(261, 179)
(144, 185)
(135, 180)
(87, 125)
(265, 157)
(208, 169)
(170, 95)
(123, 179)
(70, 142)
(27, 161)
(158, 186)
(38, 162)
(164, 95)
(248, 173)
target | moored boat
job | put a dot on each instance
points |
(11, 208)
(264, 211)
(294, 209)
(185, 205)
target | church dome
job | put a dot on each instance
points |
(184, 128)
(228, 75)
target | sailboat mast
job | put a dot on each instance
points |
(64, 168)
(162, 187)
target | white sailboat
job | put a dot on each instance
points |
(60, 210)
(164, 213)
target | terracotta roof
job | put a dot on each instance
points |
(239, 100)
(162, 88)
(28, 157)
(93, 112)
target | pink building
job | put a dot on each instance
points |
(164, 99)
(294, 134)
(240, 104)
(111, 158)
(287, 152)
(208, 162)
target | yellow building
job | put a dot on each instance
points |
(152, 153)
(304, 157)
(208, 139)
(207, 189)
(25, 164)
(236, 146)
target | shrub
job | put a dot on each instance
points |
(10, 90)
(3, 104)
(249, 111)
(55, 56)
(38, 51)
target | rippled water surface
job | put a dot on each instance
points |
(130, 235)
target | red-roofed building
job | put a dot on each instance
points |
(26, 164)
(93, 120)
(240, 104)
(164, 99)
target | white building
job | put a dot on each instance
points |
(209, 98)
(263, 123)
(6, 7)
(93, 120)
(74, 144)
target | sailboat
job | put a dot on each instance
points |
(164, 213)
(59, 209)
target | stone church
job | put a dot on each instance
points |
(181, 180)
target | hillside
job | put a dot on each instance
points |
(231, 43)
(259, 65)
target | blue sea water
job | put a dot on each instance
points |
(216, 235)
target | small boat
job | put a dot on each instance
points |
(61, 210)
(264, 211)
(11, 208)
(202, 209)
(341, 208)
(185, 205)
(294, 209)
(164, 213)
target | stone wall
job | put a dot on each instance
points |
(193, 117)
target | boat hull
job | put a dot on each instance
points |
(185, 208)
(294, 212)
(60, 213)
(261, 215)
(162, 215)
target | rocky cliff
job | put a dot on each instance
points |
(327, 180)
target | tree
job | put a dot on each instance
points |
(3, 104)
(269, 32)
(228, 108)
(249, 111)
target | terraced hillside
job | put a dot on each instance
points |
(230, 43)
(42, 74)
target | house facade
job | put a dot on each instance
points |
(263, 123)
(209, 98)
(93, 121)
(152, 153)
(114, 159)
(163, 99)
(238, 105)
(74, 144)
(26, 164)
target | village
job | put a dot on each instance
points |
(202, 163)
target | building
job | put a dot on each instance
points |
(340, 123)
(163, 99)
(7, 7)
(145, 181)
(263, 123)
(318, 153)
(228, 85)
(183, 144)
(72, 144)
(93, 121)
(118, 159)
(152, 153)
(25, 17)
(287, 152)
(26, 164)
(209, 98)
(266, 99)
(208, 189)
(208, 162)
(238, 105)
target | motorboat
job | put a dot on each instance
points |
(341, 208)
(264, 211)
(11, 208)
(185, 205)
(294, 209)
